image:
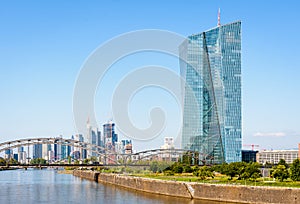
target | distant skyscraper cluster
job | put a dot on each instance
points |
(104, 143)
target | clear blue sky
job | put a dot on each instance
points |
(44, 44)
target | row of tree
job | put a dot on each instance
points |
(283, 171)
(5, 162)
(239, 170)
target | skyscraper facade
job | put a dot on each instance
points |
(109, 135)
(37, 151)
(211, 66)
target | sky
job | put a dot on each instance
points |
(44, 44)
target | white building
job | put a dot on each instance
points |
(274, 156)
(168, 143)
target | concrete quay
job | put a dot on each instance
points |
(193, 190)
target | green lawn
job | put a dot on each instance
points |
(221, 179)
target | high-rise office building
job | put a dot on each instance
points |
(45, 151)
(109, 135)
(93, 137)
(79, 153)
(211, 66)
(37, 151)
(21, 155)
(57, 149)
(64, 152)
(8, 154)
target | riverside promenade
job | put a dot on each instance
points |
(193, 190)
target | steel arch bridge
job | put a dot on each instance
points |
(101, 151)
(170, 155)
(109, 155)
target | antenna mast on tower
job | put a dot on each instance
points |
(219, 17)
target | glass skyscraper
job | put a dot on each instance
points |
(211, 66)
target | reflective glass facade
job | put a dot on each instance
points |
(211, 67)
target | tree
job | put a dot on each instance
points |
(38, 161)
(282, 162)
(295, 170)
(2, 161)
(280, 172)
(178, 168)
(160, 166)
(154, 166)
(12, 161)
(204, 172)
(187, 158)
(187, 169)
(235, 168)
(251, 171)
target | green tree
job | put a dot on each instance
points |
(94, 159)
(187, 169)
(282, 162)
(187, 158)
(38, 161)
(204, 172)
(280, 172)
(154, 166)
(12, 161)
(235, 169)
(178, 168)
(252, 171)
(295, 170)
(86, 161)
(2, 161)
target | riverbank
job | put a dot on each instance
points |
(193, 190)
(65, 171)
(7, 168)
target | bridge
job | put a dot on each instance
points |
(110, 157)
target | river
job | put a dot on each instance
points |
(48, 186)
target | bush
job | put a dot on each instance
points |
(168, 173)
(187, 169)
(204, 172)
(295, 170)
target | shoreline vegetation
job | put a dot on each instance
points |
(236, 173)
(189, 177)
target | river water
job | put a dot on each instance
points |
(48, 186)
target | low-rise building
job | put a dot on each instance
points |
(274, 156)
(249, 155)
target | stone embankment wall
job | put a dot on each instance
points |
(90, 175)
(218, 192)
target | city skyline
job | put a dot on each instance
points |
(44, 45)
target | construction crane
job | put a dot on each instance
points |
(252, 146)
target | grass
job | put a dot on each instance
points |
(221, 179)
